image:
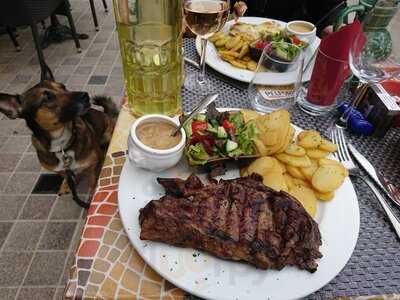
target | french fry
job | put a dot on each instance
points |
(237, 47)
(216, 36)
(232, 42)
(229, 53)
(227, 58)
(245, 49)
(238, 64)
(221, 42)
(252, 65)
(246, 58)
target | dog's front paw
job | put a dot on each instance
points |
(64, 188)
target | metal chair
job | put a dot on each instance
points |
(30, 12)
(93, 9)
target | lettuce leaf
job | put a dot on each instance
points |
(237, 120)
(197, 155)
(245, 137)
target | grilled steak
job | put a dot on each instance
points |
(238, 219)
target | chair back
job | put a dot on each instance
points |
(24, 12)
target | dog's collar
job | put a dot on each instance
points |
(63, 142)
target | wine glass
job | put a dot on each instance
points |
(203, 18)
(277, 58)
(375, 52)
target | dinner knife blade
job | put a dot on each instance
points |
(371, 171)
(394, 192)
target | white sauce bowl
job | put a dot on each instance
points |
(308, 37)
(154, 159)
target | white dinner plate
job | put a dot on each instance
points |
(215, 62)
(209, 277)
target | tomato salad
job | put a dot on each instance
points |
(219, 135)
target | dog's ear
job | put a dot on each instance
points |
(10, 105)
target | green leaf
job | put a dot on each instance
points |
(197, 155)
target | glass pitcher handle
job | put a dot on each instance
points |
(345, 12)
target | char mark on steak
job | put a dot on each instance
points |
(238, 219)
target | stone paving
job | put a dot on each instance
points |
(38, 233)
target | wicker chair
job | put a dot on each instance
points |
(30, 12)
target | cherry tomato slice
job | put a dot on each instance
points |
(296, 40)
(227, 125)
(199, 126)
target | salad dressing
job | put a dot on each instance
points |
(301, 27)
(157, 135)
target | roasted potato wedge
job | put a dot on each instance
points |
(327, 146)
(294, 161)
(289, 180)
(308, 172)
(306, 197)
(317, 153)
(298, 181)
(328, 178)
(295, 172)
(249, 115)
(275, 180)
(324, 196)
(295, 150)
(261, 165)
(281, 167)
(260, 147)
(309, 139)
(327, 161)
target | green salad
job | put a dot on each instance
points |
(219, 135)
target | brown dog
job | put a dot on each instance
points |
(67, 133)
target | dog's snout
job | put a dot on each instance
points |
(82, 96)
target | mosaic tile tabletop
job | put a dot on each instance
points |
(106, 265)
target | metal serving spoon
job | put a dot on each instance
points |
(202, 105)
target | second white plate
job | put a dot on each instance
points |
(215, 62)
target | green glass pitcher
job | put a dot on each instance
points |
(376, 16)
(384, 12)
(150, 36)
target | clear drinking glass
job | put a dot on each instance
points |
(375, 53)
(150, 36)
(266, 98)
(203, 18)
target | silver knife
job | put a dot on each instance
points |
(390, 190)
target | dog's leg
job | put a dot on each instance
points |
(64, 188)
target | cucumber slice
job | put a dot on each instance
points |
(230, 146)
(212, 129)
(221, 133)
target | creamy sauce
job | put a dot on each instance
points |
(301, 27)
(157, 135)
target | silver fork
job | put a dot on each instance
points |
(344, 157)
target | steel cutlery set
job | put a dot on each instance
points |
(374, 176)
